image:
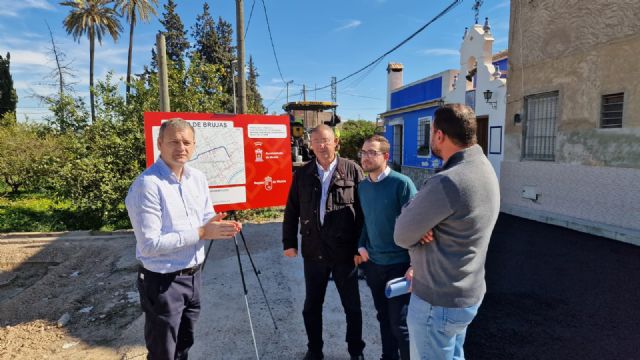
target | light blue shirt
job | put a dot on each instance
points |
(325, 179)
(165, 214)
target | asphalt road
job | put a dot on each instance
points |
(555, 293)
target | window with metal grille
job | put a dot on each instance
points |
(539, 130)
(611, 115)
(396, 150)
(424, 127)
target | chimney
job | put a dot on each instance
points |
(394, 80)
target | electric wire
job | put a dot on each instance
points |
(438, 16)
(246, 30)
(264, 6)
(276, 98)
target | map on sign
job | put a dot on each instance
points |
(220, 155)
(219, 152)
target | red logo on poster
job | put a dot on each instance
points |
(246, 158)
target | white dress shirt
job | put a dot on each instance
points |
(325, 179)
(383, 174)
(165, 214)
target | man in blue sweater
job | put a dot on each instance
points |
(382, 196)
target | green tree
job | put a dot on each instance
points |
(197, 88)
(67, 113)
(254, 99)
(352, 135)
(205, 36)
(224, 55)
(175, 35)
(8, 95)
(25, 153)
(134, 10)
(214, 45)
(8, 119)
(95, 19)
(107, 155)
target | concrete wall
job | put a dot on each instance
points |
(583, 50)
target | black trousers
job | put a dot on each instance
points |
(316, 278)
(171, 304)
(392, 313)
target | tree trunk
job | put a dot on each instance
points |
(91, 54)
(133, 21)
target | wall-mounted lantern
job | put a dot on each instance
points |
(487, 97)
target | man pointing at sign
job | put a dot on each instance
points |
(171, 213)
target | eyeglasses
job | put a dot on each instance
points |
(370, 153)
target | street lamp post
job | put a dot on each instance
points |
(233, 77)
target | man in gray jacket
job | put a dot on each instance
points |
(460, 205)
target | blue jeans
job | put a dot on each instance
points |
(435, 332)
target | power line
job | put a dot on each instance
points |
(264, 6)
(442, 13)
(246, 30)
(361, 96)
(276, 98)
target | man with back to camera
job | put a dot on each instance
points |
(171, 213)
(323, 199)
(460, 204)
(382, 195)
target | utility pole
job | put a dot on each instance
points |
(334, 97)
(304, 92)
(287, 83)
(242, 91)
(163, 79)
(233, 77)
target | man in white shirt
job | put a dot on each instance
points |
(323, 200)
(171, 213)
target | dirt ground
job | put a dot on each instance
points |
(45, 276)
(92, 279)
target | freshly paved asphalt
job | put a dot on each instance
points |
(555, 293)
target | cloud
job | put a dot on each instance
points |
(270, 92)
(440, 52)
(21, 58)
(13, 8)
(351, 24)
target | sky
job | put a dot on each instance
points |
(313, 41)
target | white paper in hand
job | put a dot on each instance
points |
(396, 287)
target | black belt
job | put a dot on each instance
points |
(184, 272)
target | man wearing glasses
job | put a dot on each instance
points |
(323, 199)
(382, 196)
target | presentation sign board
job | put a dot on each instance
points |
(246, 158)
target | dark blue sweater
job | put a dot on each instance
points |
(381, 204)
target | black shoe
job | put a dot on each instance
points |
(310, 355)
(357, 357)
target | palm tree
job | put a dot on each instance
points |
(94, 18)
(133, 10)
